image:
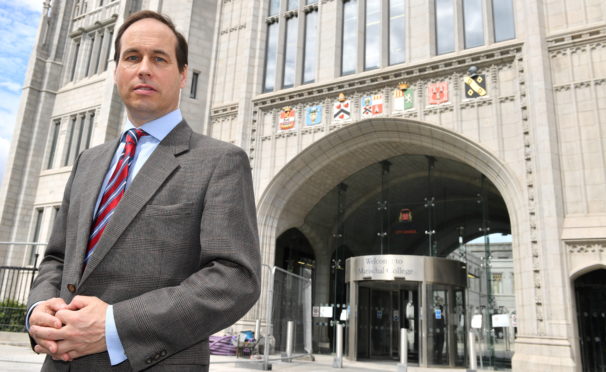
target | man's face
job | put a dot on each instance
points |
(147, 74)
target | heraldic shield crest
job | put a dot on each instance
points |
(341, 110)
(287, 118)
(313, 115)
(371, 105)
(475, 86)
(403, 98)
(437, 93)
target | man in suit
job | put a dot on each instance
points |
(155, 246)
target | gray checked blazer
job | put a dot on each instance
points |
(179, 260)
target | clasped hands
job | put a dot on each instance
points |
(69, 331)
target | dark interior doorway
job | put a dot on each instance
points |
(590, 290)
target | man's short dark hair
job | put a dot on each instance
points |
(180, 49)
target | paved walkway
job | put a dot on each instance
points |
(16, 356)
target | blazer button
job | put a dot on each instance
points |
(163, 353)
(71, 288)
(148, 360)
(157, 356)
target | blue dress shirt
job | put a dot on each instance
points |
(156, 129)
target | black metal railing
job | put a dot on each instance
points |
(15, 283)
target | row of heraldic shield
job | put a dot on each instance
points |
(373, 105)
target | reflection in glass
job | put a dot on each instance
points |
(270, 57)
(290, 53)
(372, 50)
(502, 13)
(274, 7)
(311, 42)
(474, 25)
(459, 323)
(444, 26)
(293, 4)
(437, 343)
(349, 47)
(380, 322)
(311, 2)
(396, 31)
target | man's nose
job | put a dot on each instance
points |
(145, 67)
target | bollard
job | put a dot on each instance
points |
(338, 361)
(257, 329)
(473, 366)
(403, 365)
(290, 334)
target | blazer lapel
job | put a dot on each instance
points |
(160, 165)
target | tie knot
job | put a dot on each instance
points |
(132, 135)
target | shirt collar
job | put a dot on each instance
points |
(160, 127)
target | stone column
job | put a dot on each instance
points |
(544, 336)
(322, 295)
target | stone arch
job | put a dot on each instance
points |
(302, 182)
(586, 270)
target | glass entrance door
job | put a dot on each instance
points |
(410, 320)
(437, 321)
(381, 315)
(383, 311)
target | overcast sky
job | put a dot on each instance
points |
(19, 21)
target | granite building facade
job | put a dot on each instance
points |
(501, 102)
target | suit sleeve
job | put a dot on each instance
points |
(160, 323)
(48, 282)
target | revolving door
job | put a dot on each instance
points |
(425, 295)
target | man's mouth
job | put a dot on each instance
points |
(144, 88)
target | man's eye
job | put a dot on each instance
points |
(160, 59)
(131, 58)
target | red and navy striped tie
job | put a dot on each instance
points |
(114, 190)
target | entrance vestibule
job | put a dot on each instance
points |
(423, 294)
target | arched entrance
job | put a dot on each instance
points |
(590, 291)
(294, 253)
(440, 190)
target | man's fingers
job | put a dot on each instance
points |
(45, 346)
(79, 302)
(47, 333)
(65, 316)
(44, 320)
(56, 304)
(41, 350)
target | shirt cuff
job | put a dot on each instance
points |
(112, 340)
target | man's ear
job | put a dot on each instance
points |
(183, 76)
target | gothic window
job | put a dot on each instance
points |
(467, 19)
(89, 60)
(396, 32)
(372, 34)
(56, 125)
(79, 136)
(349, 38)
(311, 45)
(193, 92)
(271, 56)
(74, 62)
(502, 13)
(291, 44)
(39, 213)
(290, 53)
(474, 23)
(445, 35)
